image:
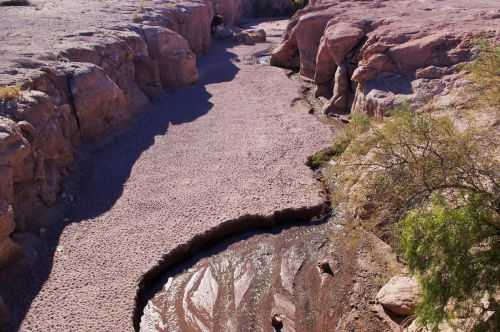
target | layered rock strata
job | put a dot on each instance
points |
(369, 56)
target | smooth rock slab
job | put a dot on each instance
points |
(400, 295)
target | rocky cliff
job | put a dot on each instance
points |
(368, 56)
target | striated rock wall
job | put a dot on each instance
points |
(369, 56)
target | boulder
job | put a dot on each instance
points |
(380, 38)
(303, 41)
(251, 36)
(341, 38)
(400, 295)
(15, 151)
(341, 92)
(193, 20)
(100, 104)
(177, 63)
(147, 76)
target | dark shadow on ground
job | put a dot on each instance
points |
(104, 173)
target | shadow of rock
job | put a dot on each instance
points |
(103, 174)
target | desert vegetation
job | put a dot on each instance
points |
(485, 72)
(9, 93)
(432, 190)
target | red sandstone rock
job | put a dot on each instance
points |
(396, 37)
(8, 249)
(99, 103)
(177, 63)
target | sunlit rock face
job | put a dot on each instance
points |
(370, 56)
(299, 279)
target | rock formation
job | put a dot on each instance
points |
(400, 295)
(368, 56)
(78, 87)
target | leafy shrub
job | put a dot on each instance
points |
(9, 93)
(298, 4)
(413, 156)
(455, 252)
(358, 125)
(453, 245)
(486, 72)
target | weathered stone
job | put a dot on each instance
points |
(9, 250)
(291, 262)
(177, 63)
(389, 41)
(400, 295)
(99, 102)
(339, 103)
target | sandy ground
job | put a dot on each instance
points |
(228, 146)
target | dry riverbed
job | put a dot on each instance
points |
(226, 147)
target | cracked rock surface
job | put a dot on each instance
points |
(229, 145)
(370, 56)
(310, 279)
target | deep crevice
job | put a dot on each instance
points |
(71, 100)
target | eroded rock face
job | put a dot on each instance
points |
(176, 61)
(272, 283)
(8, 249)
(417, 44)
(87, 83)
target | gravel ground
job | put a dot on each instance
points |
(228, 146)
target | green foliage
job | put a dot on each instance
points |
(9, 93)
(320, 158)
(455, 252)
(298, 4)
(416, 155)
(358, 125)
(486, 72)
(453, 245)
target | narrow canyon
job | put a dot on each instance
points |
(157, 158)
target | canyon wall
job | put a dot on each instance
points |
(370, 56)
(91, 83)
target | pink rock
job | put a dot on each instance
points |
(423, 51)
(341, 38)
(400, 295)
(99, 102)
(9, 251)
(177, 63)
(291, 262)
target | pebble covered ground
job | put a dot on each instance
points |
(228, 146)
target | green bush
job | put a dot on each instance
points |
(413, 156)
(486, 72)
(455, 252)
(358, 125)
